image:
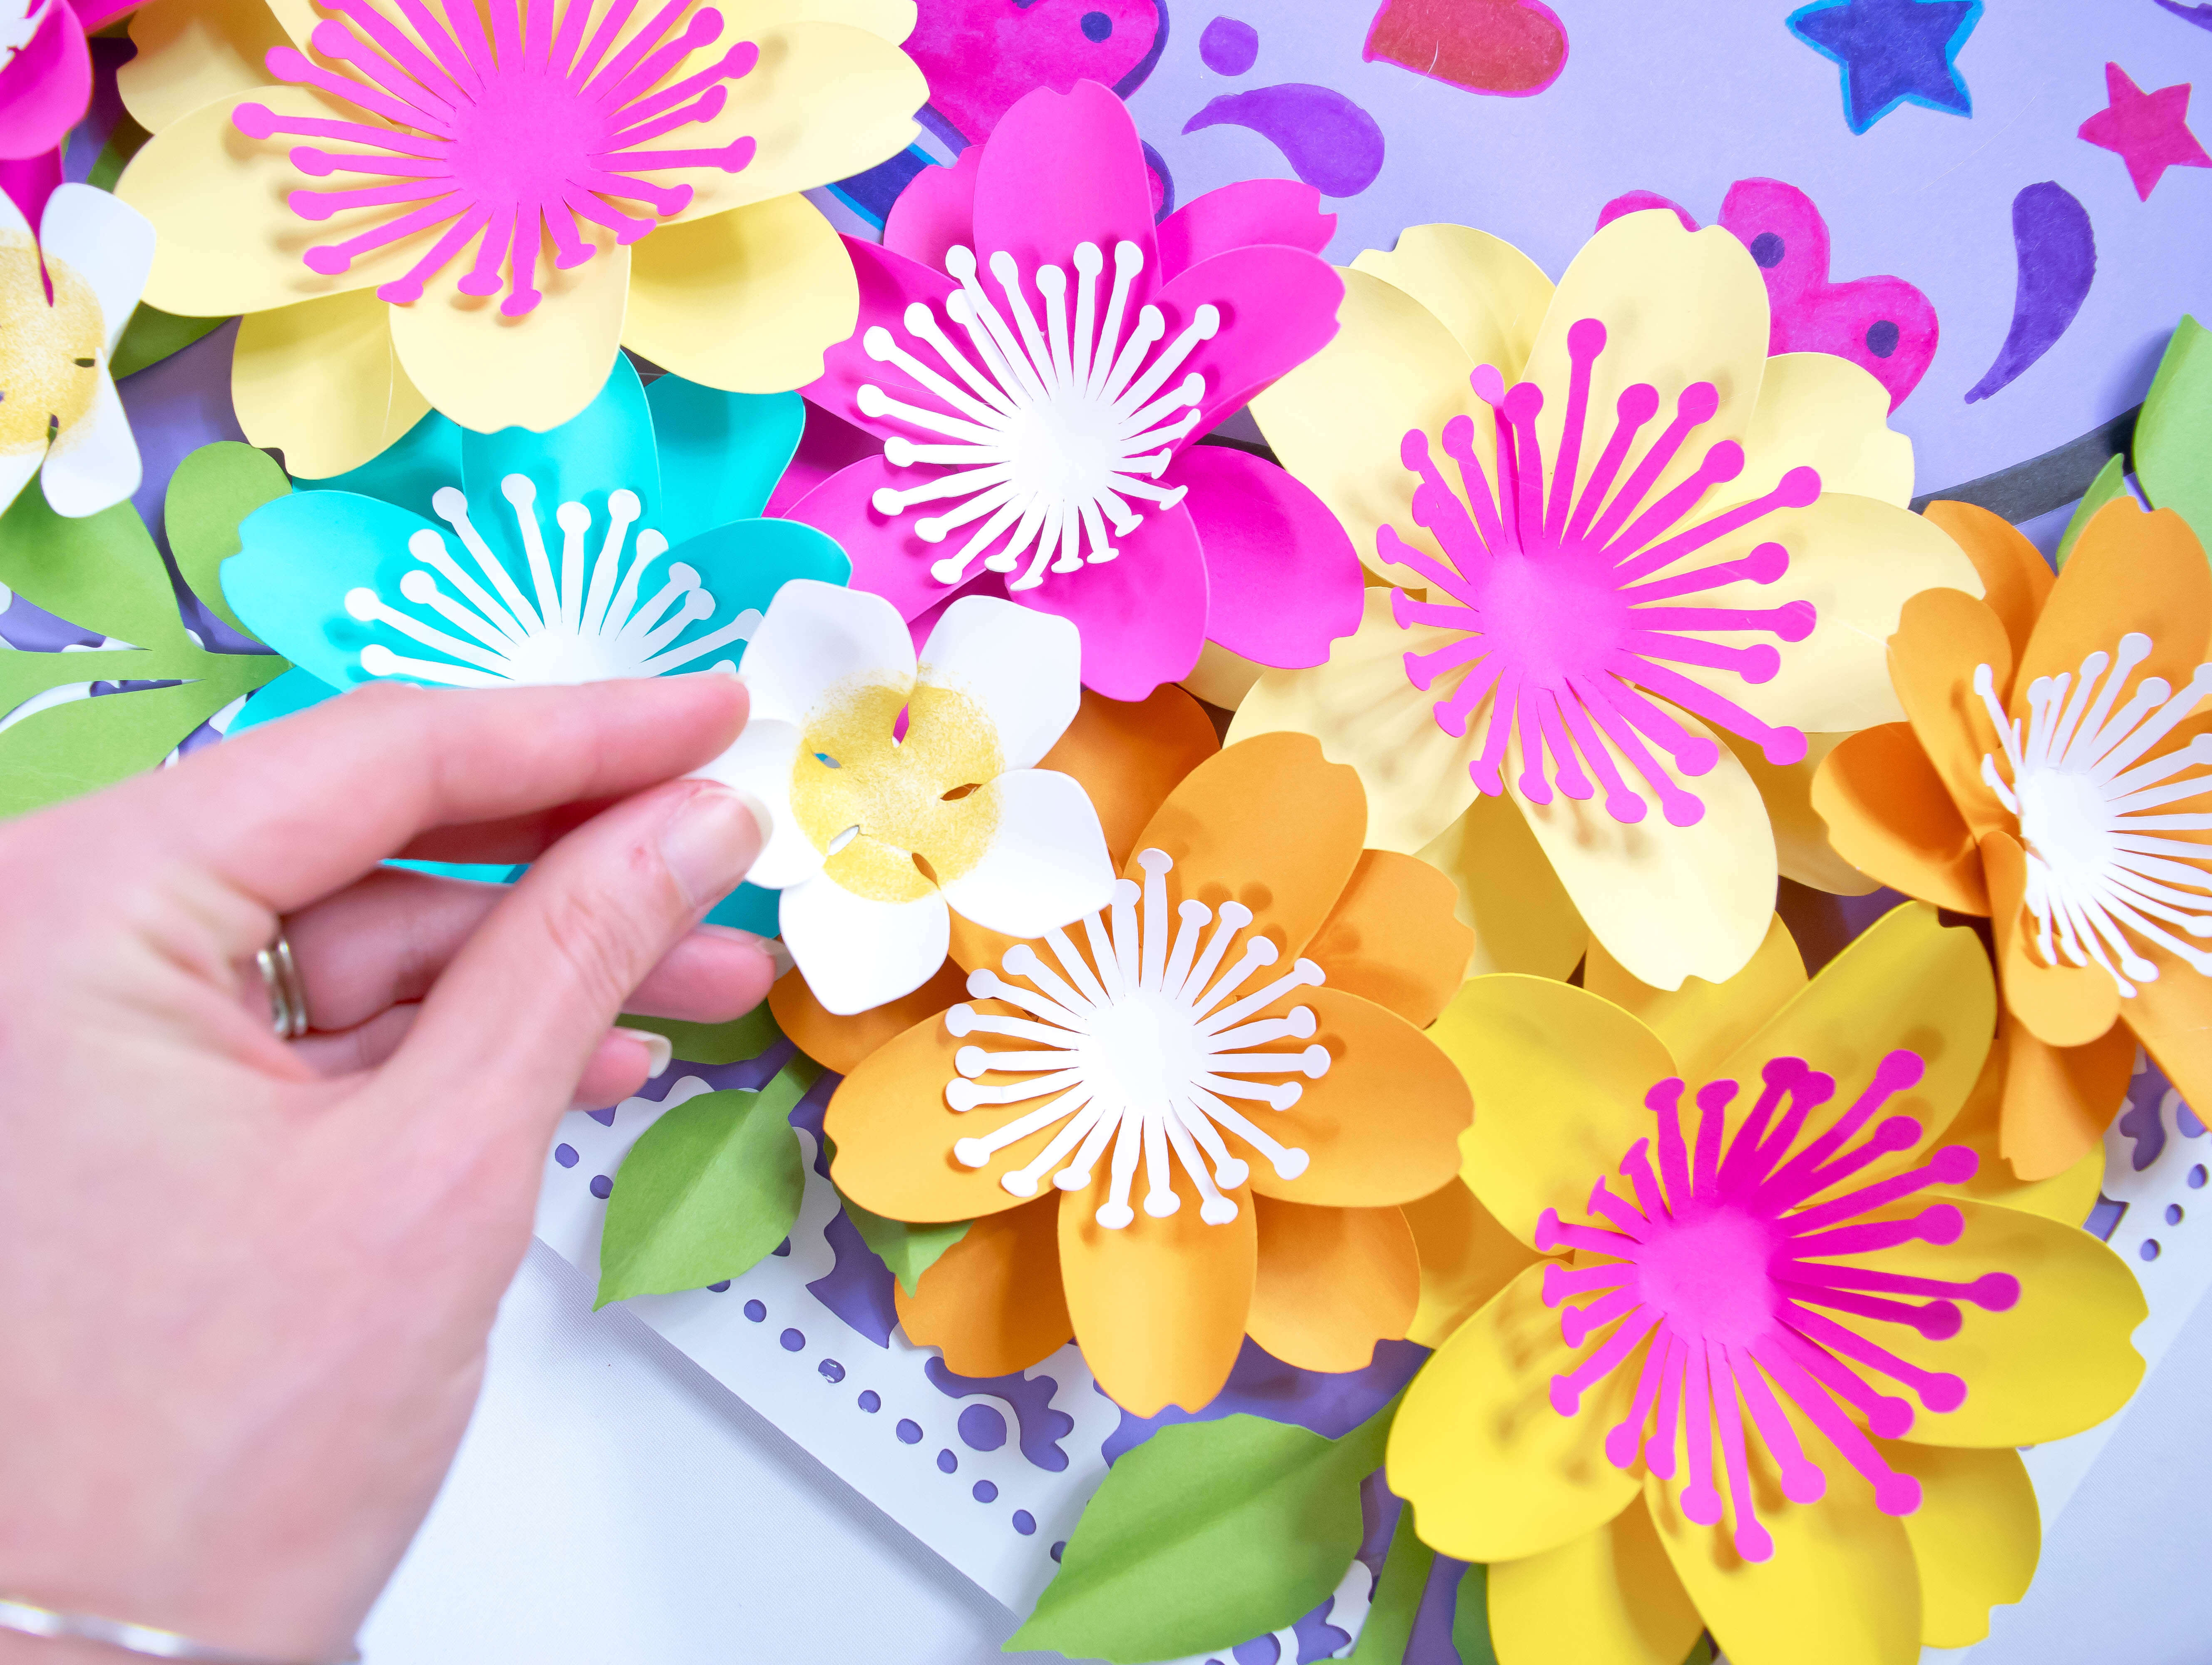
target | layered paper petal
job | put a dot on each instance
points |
(2056, 1104)
(936, 211)
(1011, 666)
(1282, 581)
(1466, 1256)
(840, 1043)
(991, 1302)
(1888, 812)
(2062, 1004)
(1244, 212)
(1943, 637)
(320, 381)
(2130, 571)
(1329, 1283)
(1392, 938)
(1046, 863)
(1489, 296)
(1143, 614)
(856, 951)
(1032, 204)
(1701, 1024)
(1610, 1597)
(188, 56)
(1129, 756)
(1508, 896)
(1826, 413)
(2017, 579)
(1975, 1537)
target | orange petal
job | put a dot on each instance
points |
(1466, 1257)
(1129, 756)
(1159, 1306)
(2016, 578)
(1331, 1283)
(993, 1300)
(2065, 1006)
(1889, 814)
(2056, 1102)
(2067, 1193)
(840, 1043)
(1944, 636)
(1393, 937)
(2172, 1015)
(2130, 571)
(1270, 822)
(1382, 1125)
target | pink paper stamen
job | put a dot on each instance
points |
(1561, 604)
(1719, 1263)
(512, 136)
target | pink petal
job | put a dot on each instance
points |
(889, 283)
(1060, 169)
(29, 180)
(826, 444)
(1238, 215)
(46, 87)
(1278, 309)
(1142, 615)
(1283, 578)
(936, 211)
(93, 15)
(888, 559)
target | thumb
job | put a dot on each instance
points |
(527, 1001)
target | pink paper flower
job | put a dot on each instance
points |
(1039, 360)
(45, 71)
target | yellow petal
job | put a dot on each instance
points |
(1508, 897)
(1492, 1472)
(1365, 713)
(1337, 420)
(189, 55)
(1976, 1536)
(1816, 411)
(1558, 1078)
(1668, 902)
(1802, 847)
(747, 301)
(1466, 1257)
(1702, 1022)
(488, 372)
(320, 381)
(1223, 678)
(1489, 295)
(1610, 1597)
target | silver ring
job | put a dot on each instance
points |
(287, 994)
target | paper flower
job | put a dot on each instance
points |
(1768, 1377)
(1642, 631)
(1038, 360)
(1194, 1120)
(66, 295)
(633, 183)
(900, 794)
(45, 70)
(2052, 777)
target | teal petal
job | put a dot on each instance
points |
(720, 454)
(747, 910)
(605, 446)
(298, 557)
(296, 691)
(425, 457)
(741, 566)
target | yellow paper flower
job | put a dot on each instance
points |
(1774, 1385)
(1625, 640)
(508, 200)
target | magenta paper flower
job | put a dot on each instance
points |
(46, 71)
(1039, 360)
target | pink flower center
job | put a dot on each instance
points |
(1570, 601)
(1722, 1263)
(508, 138)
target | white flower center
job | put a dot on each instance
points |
(582, 627)
(1138, 1046)
(2103, 864)
(1049, 428)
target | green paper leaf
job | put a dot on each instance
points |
(212, 490)
(70, 749)
(2173, 436)
(100, 572)
(1389, 1623)
(153, 335)
(124, 142)
(1207, 1535)
(2111, 482)
(1471, 1619)
(704, 1194)
(908, 1250)
(716, 1043)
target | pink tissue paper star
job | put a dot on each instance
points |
(2148, 131)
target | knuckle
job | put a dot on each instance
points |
(601, 941)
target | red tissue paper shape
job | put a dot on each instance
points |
(1511, 48)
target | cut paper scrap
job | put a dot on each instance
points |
(46, 72)
(896, 794)
(1330, 143)
(1037, 361)
(681, 236)
(1892, 52)
(2057, 249)
(1883, 324)
(1623, 1404)
(67, 295)
(2148, 131)
(1648, 714)
(1511, 48)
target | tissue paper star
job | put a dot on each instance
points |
(2053, 778)
(508, 200)
(1780, 1345)
(1624, 637)
(2148, 131)
(1892, 52)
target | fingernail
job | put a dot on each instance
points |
(660, 1050)
(709, 843)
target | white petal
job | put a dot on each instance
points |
(1023, 667)
(855, 953)
(94, 463)
(758, 764)
(1046, 865)
(819, 637)
(107, 242)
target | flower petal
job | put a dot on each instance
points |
(759, 764)
(1610, 1597)
(45, 84)
(1047, 864)
(1330, 1283)
(2062, 1004)
(816, 638)
(840, 1043)
(936, 211)
(1975, 1537)
(1489, 296)
(1030, 204)
(1702, 1022)
(748, 301)
(889, 558)
(1508, 895)
(408, 471)
(1016, 666)
(992, 1301)
(1130, 755)
(1159, 1305)
(107, 243)
(2017, 579)
(2056, 1104)
(856, 952)
(296, 606)
(1492, 1472)
(1803, 851)
(888, 283)
(1466, 1257)
(1944, 636)
(1237, 215)
(93, 464)
(1888, 813)
(1392, 938)
(1816, 411)
(188, 56)
(1563, 1075)
(2128, 571)
(605, 446)
(320, 381)
(720, 454)
(1142, 614)
(1282, 581)
(2169, 1016)
(1278, 309)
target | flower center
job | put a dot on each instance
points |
(2102, 864)
(1047, 430)
(50, 353)
(1570, 600)
(579, 628)
(1139, 1048)
(1723, 1262)
(505, 138)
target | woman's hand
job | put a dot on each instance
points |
(244, 1284)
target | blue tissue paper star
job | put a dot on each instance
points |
(1891, 52)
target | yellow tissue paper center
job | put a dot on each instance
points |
(49, 354)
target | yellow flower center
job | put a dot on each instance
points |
(49, 354)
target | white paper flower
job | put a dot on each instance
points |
(901, 793)
(57, 401)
